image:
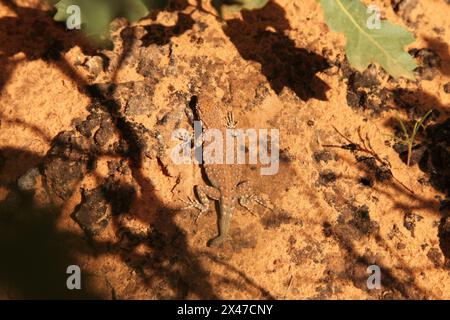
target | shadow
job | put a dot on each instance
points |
(441, 48)
(170, 259)
(34, 253)
(169, 268)
(161, 35)
(362, 244)
(417, 102)
(398, 286)
(436, 163)
(34, 33)
(434, 160)
(14, 163)
(430, 151)
(247, 281)
(27, 126)
(444, 231)
(260, 37)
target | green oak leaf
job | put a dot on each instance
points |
(224, 6)
(96, 15)
(383, 45)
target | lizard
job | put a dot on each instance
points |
(226, 181)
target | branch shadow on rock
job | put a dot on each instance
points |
(260, 36)
(34, 33)
(35, 253)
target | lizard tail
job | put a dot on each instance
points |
(224, 226)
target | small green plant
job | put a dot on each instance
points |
(409, 138)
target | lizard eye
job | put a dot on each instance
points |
(241, 183)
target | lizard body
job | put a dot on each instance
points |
(226, 180)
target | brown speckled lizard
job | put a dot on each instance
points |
(226, 180)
